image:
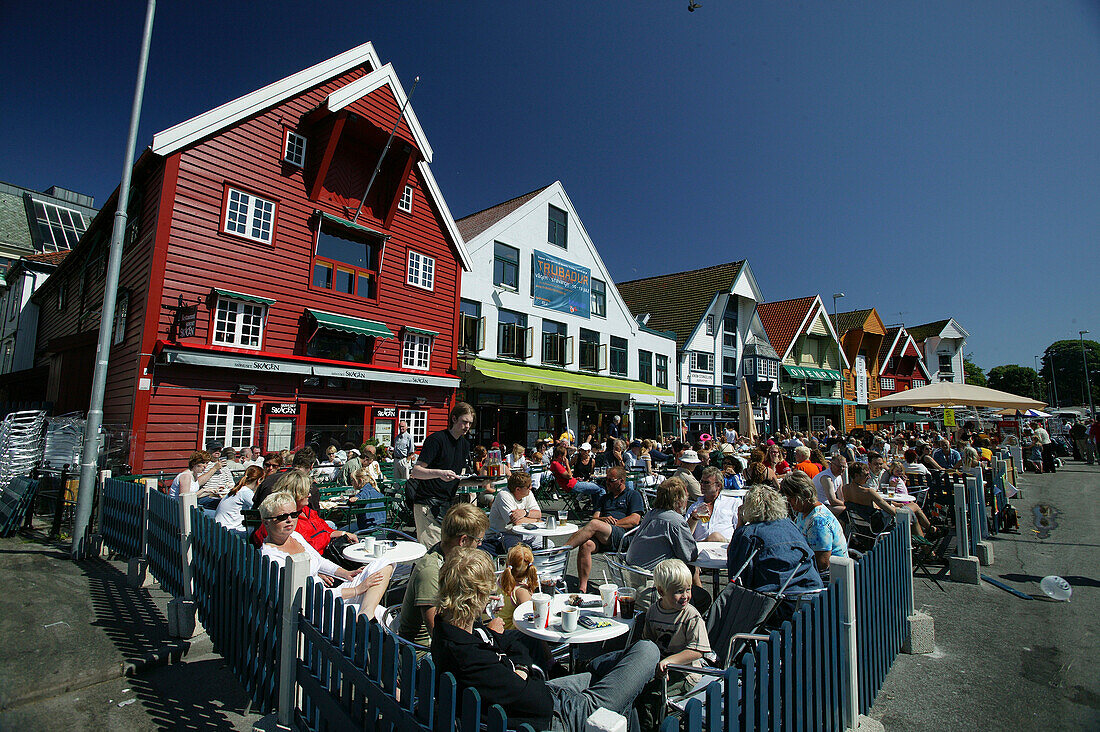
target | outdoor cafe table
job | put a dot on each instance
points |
(555, 635)
(899, 497)
(566, 529)
(400, 551)
(712, 557)
(479, 483)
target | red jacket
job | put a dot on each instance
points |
(310, 525)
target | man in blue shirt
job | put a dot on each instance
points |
(946, 455)
(617, 511)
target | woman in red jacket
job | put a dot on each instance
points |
(311, 526)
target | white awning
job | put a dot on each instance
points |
(268, 365)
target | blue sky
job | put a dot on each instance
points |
(929, 158)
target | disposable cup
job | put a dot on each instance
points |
(540, 601)
(569, 616)
(607, 597)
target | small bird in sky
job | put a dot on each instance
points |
(692, 6)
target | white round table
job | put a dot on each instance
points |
(404, 551)
(712, 557)
(555, 634)
(565, 529)
(899, 497)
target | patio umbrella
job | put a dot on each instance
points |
(950, 394)
(746, 421)
(1029, 413)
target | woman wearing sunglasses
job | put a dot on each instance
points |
(364, 587)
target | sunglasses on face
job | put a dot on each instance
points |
(284, 516)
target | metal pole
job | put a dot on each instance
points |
(90, 456)
(839, 365)
(1053, 380)
(1085, 364)
(386, 149)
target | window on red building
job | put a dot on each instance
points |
(346, 261)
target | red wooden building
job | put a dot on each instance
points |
(254, 308)
(901, 364)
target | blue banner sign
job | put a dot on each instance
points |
(560, 285)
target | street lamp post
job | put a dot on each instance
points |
(843, 422)
(1085, 365)
(1039, 372)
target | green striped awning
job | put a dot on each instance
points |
(349, 225)
(566, 379)
(348, 324)
(421, 331)
(243, 296)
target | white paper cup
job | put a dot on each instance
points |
(540, 601)
(569, 616)
(368, 545)
(379, 549)
(607, 596)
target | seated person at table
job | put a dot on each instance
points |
(518, 581)
(866, 501)
(239, 499)
(512, 507)
(637, 459)
(364, 587)
(803, 462)
(680, 634)
(482, 657)
(368, 491)
(199, 470)
(822, 529)
(310, 525)
(714, 516)
(562, 473)
(913, 464)
(686, 463)
(732, 467)
(780, 547)
(584, 464)
(618, 511)
(663, 532)
(463, 526)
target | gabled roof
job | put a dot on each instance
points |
(472, 225)
(851, 320)
(363, 86)
(922, 333)
(180, 136)
(889, 342)
(784, 319)
(676, 302)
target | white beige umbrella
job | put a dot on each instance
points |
(950, 394)
(745, 418)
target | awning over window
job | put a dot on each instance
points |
(565, 379)
(818, 400)
(811, 373)
(349, 225)
(348, 324)
(242, 296)
(421, 331)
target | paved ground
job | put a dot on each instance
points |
(70, 631)
(1002, 662)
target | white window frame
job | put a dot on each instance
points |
(710, 325)
(417, 422)
(406, 202)
(694, 362)
(239, 420)
(416, 351)
(421, 271)
(817, 423)
(917, 383)
(236, 338)
(257, 212)
(298, 156)
(694, 392)
(886, 383)
(57, 226)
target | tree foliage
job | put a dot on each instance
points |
(1020, 380)
(1069, 382)
(973, 373)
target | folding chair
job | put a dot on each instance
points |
(625, 574)
(865, 526)
(552, 563)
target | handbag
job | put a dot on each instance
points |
(334, 551)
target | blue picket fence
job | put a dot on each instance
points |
(237, 594)
(884, 587)
(121, 517)
(352, 674)
(163, 543)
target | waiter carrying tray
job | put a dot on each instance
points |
(444, 457)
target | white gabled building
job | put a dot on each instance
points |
(941, 343)
(547, 342)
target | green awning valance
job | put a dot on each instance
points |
(349, 225)
(811, 373)
(565, 379)
(242, 296)
(348, 324)
(421, 331)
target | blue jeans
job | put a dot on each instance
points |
(614, 681)
(591, 489)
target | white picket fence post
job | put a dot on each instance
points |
(137, 574)
(295, 572)
(842, 574)
(182, 622)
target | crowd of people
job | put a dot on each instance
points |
(779, 505)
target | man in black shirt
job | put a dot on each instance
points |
(444, 456)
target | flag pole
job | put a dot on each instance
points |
(386, 149)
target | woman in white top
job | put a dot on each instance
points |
(365, 587)
(239, 499)
(199, 470)
(516, 460)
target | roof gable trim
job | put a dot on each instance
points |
(183, 134)
(373, 81)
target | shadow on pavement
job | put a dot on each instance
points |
(126, 615)
(191, 696)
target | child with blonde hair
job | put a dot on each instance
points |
(518, 581)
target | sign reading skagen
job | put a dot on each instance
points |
(230, 361)
(560, 285)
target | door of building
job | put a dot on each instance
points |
(334, 424)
